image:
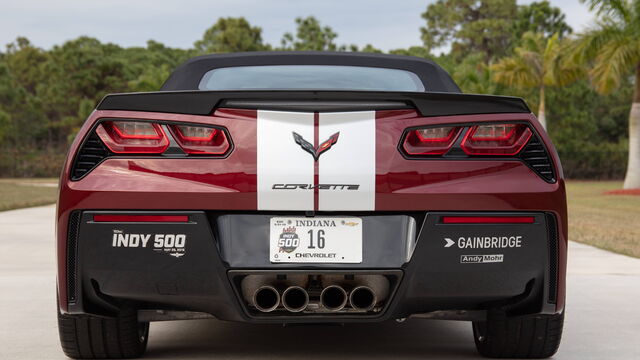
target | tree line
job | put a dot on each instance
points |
(582, 86)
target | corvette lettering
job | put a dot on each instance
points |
(319, 186)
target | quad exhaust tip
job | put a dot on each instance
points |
(295, 299)
(266, 298)
(333, 298)
(359, 294)
(362, 298)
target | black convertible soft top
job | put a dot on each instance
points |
(180, 93)
(188, 75)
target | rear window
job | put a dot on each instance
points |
(310, 77)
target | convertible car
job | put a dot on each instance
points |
(309, 188)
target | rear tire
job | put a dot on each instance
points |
(91, 337)
(527, 337)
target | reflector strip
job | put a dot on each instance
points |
(141, 218)
(488, 220)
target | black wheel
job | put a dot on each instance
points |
(90, 337)
(527, 337)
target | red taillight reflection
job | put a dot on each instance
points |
(488, 219)
(201, 139)
(496, 139)
(430, 141)
(196, 133)
(141, 218)
(133, 137)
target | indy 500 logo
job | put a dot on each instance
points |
(172, 244)
(288, 240)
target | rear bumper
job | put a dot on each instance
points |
(470, 274)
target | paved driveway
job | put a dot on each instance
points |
(603, 314)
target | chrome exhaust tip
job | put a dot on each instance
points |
(295, 299)
(333, 298)
(362, 298)
(266, 298)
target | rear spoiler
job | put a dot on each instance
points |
(204, 102)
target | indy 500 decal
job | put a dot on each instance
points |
(171, 244)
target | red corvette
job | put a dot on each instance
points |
(311, 188)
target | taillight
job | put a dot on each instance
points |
(141, 218)
(431, 141)
(201, 139)
(137, 130)
(496, 139)
(488, 220)
(133, 137)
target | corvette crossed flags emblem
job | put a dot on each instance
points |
(315, 152)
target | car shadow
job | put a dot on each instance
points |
(204, 339)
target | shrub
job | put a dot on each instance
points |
(599, 161)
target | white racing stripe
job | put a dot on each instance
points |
(282, 161)
(352, 160)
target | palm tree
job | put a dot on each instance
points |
(537, 63)
(473, 75)
(613, 45)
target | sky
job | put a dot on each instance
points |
(386, 24)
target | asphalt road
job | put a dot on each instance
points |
(603, 314)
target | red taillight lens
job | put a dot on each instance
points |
(496, 139)
(133, 137)
(201, 139)
(141, 218)
(431, 141)
(488, 220)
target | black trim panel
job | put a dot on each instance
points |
(204, 102)
(552, 292)
(72, 255)
(434, 280)
(314, 105)
(90, 154)
(536, 156)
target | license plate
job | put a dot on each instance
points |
(315, 240)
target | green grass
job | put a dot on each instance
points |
(20, 193)
(610, 222)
